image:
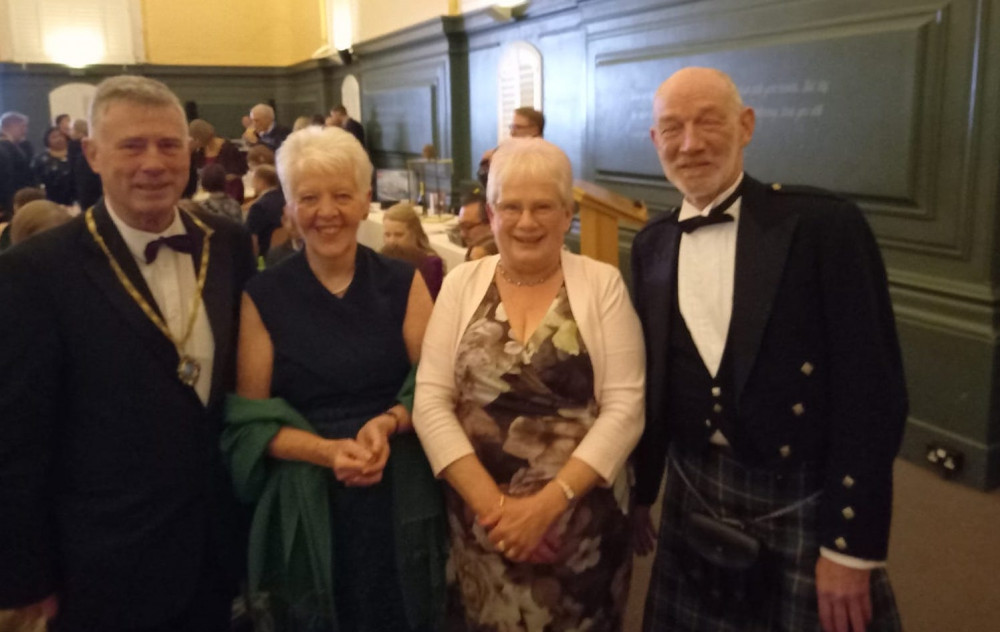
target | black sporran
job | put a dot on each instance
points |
(730, 568)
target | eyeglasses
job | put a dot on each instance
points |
(541, 212)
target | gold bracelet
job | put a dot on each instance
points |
(566, 489)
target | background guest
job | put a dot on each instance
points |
(264, 129)
(264, 216)
(86, 183)
(15, 164)
(288, 247)
(207, 149)
(213, 182)
(402, 233)
(63, 123)
(260, 155)
(256, 156)
(474, 226)
(320, 413)
(527, 122)
(22, 197)
(339, 118)
(36, 217)
(529, 400)
(53, 169)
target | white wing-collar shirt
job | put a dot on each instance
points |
(173, 282)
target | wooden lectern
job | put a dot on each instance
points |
(600, 212)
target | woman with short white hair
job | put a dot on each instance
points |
(529, 400)
(319, 435)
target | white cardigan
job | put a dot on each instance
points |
(610, 330)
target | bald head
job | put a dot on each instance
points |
(701, 80)
(700, 127)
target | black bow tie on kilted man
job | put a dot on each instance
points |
(715, 216)
(180, 243)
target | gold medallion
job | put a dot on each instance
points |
(188, 370)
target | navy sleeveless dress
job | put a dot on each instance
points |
(340, 361)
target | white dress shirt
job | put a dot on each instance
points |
(173, 282)
(706, 267)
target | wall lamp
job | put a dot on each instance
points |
(509, 10)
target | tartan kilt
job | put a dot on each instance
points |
(735, 491)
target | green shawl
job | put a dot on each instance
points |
(290, 551)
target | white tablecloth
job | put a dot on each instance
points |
(370, 234)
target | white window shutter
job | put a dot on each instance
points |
(520, 83)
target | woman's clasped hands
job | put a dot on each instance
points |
(360, 462)
(524, 529)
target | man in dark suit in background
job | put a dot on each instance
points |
(15, 160)
(86, 183)
(264, 130)
(264, 215)
(339, 118)
(776, 398)
(119, 347)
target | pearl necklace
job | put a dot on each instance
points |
(528, 282)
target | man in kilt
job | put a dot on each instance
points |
(775, 391)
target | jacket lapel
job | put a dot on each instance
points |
(217, 296)
(98, 269)
(762, 244)
(655, 291)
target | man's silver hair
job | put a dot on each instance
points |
(263, 108)
(534, 158)
(324, 150)
(10, 118)
(130, 89)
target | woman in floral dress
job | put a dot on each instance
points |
(529, 400)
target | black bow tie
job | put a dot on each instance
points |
(716, 216)
(180, 243)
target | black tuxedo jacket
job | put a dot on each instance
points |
(113, 494)
(816, 363)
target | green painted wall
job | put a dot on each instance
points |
(906, 124)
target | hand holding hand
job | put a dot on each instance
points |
(374, 436)
(524, 521)
(643, 532)
(844, 597)
(348, 459)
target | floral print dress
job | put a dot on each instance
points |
(525, 408)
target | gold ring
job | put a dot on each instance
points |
(501, 546)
